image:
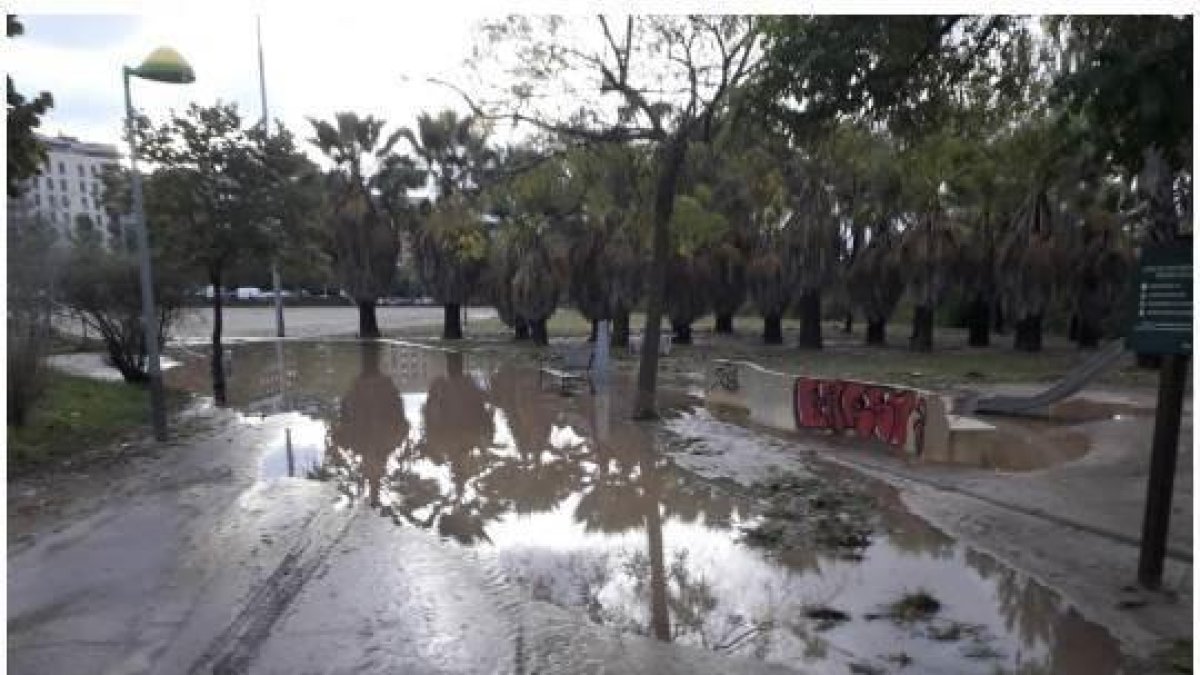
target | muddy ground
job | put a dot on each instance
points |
(405, 511)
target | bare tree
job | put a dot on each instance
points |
(653, 80)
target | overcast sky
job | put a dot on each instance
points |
(317, 63)
(370, 58)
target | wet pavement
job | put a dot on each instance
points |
(583, 515)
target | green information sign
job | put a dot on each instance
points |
(1163, 321)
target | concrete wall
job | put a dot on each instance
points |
(913, 421)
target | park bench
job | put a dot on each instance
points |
(568, 365)
(664, 344)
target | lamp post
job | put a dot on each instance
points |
(163, 65)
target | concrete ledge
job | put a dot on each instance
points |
(912, 421)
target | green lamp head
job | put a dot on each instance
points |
(165, 65)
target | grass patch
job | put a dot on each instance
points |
(75, 414)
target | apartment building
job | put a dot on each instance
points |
(68, 195)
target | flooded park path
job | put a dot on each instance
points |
(573, 505)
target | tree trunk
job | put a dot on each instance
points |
(725, 324)
(520, 329)
(1087, 333)
(683, 333)
(1149, 361)
(876, 332)
(595, 329)
(1073, 327)
(660, 620)
(810, 320)
(670, 159)
(452, 322)
(772, 329)
(979, 322)
(922, 335)
(1028, 334)
(368, 325)
(998, 320)
(537, 331)
(848, 326)
(218, 352)
(620, 336)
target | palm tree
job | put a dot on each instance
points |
(769, 286)
(876, 282)
(367, 207)
(1027, 266)
(813, 244)
(452, 243)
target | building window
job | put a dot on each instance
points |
(66, 201)
(80, 167)
(50, 183)
(54, 216)
(62, 168)
(62, 182)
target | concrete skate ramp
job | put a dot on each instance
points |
(1039, 404)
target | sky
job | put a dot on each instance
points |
(321, 58)
(316, 64)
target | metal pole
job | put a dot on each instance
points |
(1163, 451)
(266, 121)
(158, 412)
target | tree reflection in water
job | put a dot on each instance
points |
(581, 506)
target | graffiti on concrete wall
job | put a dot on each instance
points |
(871, 411)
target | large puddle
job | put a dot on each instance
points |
(582, 508)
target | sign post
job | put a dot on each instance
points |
(1163, 325)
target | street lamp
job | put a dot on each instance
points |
(163, 65)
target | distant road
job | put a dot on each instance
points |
(310, 321)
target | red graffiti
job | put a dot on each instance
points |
(870, 411)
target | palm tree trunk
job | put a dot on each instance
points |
(876, 332)
(772, 329)
(1028, 335)
(217, 359)
(537, 331)
(452, 322)
(979, 321)
(620, 336)
(922, 335)
(520, 329)
(683, 332)
(670, 160)
(810, 319)
(368, 324)
(1087, 332)
(725, 324)
(595, 329)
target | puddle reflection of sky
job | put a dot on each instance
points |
(615, 529)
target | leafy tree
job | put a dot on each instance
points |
(26, 155)
(901, 72)
(662, 81)
(367, 208)
(214, 195)
(1126, 83)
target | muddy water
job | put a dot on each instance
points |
(583, 508)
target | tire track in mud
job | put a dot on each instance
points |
(231, 652)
